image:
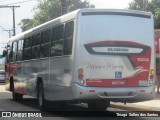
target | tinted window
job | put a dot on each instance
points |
(36, 39)
(27, 42)
(57, 33)
(27, 49)
(57, 40)
(14, 51)
(68, 38)
(45, 50)
(27, 54)
(20, 50)
(35, 52)
(45, 43)
(57, 48)
(9, 55)
(45, 36)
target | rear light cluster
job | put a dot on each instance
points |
(81, 77)
(152, 76)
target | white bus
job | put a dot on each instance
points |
(92, 56)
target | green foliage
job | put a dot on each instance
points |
(137, 4)
(47, 10)
(157, 18)
(50, 9)
(150, 6)
(26, 24)
(77, 4)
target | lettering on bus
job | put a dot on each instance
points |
(105, 66)
(143, 59)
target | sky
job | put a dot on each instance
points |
(26, 11)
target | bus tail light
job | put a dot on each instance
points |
(152, 75)
(152, 72)
(81, 76)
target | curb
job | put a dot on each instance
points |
(133, 107)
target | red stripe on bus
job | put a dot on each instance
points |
(124, 82)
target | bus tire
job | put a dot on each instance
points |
(40, 97)
(98, 105)
(11, 84)
(16, 96)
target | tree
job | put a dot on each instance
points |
(150, 6)
(157, 18)
(50, 9)
(138, 4)
(26, 24)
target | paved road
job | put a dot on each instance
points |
(70, 112)
(30, 104)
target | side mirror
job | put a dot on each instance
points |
(8, 46)
(4, 53)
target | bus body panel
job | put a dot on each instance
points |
(58, 87)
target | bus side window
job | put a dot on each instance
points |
(27, 49)
(8, 47)
(68, 38)
(10, 53)
(45, 43)
(57, 41)
(14, 51)
(19, 51)
(27, 42)
(36, 46)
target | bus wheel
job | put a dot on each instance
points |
(98, 105)
(16, 96)
(40, 95)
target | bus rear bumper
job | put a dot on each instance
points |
(121, 94)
